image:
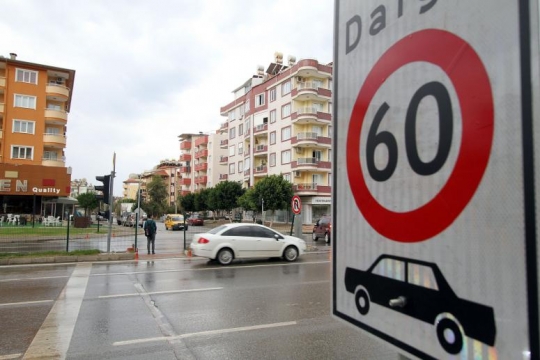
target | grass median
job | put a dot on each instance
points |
(49, 253)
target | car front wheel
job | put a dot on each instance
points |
(225, 256)
(290, 253)
(314, 237)
(450, 336)
(327, 238)
(362, 301)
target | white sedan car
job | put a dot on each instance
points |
(240, 241)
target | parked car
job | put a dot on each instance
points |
(323, 229)
(175, 222)
(433, 301)
(195, 220)
(241, 240)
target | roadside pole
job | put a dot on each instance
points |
(111, 204)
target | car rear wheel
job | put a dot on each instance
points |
(290, 253)
(450, 336)
(327, 238)
(362, 301)
(225, 256)
(314, 237)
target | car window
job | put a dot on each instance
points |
(390, 268)
(267, 233)
(217, 229)
(178, 218)
(422, 276)
(233, 232)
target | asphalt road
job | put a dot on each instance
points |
(182, 308)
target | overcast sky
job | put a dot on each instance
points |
(148, 71)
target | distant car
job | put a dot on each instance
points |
(418, 289)
(323, 229)
(240, 240)
(175, 222)
(196, 220)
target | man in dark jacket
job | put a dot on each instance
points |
(150, 230)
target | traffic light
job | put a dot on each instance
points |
(106, 180)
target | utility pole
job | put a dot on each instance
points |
(138, 216)
(111, 204)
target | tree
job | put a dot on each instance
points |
(224, 196)
(187, 202)
(158, 193)
(88, 201)
(275, 191)
(201, 200)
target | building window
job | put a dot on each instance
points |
(259, 100)
(232, 115)
(231, 150)
(273, 94)
(50, 155)
(272, 116)
(25, 101)
(246, 107)
(232, 133)
(285, 111)
(286, 133)
(231, 169)
(26, 76)
(286, 88)
(273, 159)
(240, 129)
(285, 157)
(272, 138)
(52, 131)
(22, 152)
(240, 148)
(287, 177)
(240, 166)
(22, 126)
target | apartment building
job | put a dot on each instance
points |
(203, 159)
(35, 101)
(280, 123)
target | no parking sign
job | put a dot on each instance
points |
(434, 211)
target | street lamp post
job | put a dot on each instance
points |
(138, 216)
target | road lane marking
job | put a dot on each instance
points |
(36, 278)
(27, 303)
(158, 292)
(8, 357)
(204, 333)
(54, 336)
(212, 268)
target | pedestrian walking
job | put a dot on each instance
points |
(150, 230)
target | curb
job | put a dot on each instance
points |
(67, 259)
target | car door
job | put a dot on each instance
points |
(240, 240)
(266, 244)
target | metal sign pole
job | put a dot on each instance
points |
(111, 199)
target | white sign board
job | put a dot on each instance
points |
(435, 167)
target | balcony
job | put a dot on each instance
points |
(185, 145)
(1, 108)
(185, 192)
(2, 83)
(224, 126)
(201, 167)
(311, 164)
(185, 181)
(260, 128)
(53, 161)
(203, 140)
(260, 170)
(185, 169)
(311, 67)
(311, 189)
(309, 91)
(246, 133)
(201, 154)
(224, 143)
(56, 92)
(57, 117)
(201, 180)
(310, 115)
(223, 176)
(260, 149)
(223, 160)
(311, 139)
(185, 157)
(54, 140)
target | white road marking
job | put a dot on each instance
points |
(54, 336)
(8, 357)
(27, 303)
(159, 292)
(36, 278)
(212, 268)
(204, 333)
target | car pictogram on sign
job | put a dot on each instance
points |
(418, 289)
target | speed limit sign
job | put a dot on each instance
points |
(435, 163)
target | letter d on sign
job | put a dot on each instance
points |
(356, 19)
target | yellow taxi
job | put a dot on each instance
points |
(175, 222)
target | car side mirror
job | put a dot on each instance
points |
(278, 237)
(317, 223)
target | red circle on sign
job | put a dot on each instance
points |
(471, 82)
(296, 204)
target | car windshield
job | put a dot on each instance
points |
(217, 229)
(177, 218)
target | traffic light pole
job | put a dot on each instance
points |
(111, 207)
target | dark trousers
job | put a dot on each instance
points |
(151, 241)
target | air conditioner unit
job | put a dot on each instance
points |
(299, 150)
(60, 80)
(299, 79)
(297, 173)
